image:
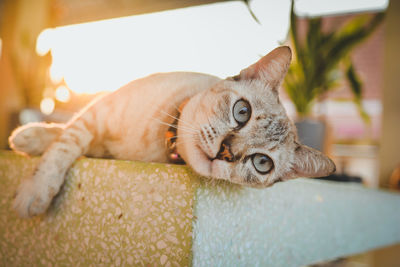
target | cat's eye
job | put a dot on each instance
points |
(241, 111)
(262, 163)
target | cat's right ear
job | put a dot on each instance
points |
(308, 162)
(271, 69)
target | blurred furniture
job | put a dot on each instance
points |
(389, 155)
(395, 178)
(357, 160)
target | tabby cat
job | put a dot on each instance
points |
(234, 129)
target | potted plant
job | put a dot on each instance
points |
(321, 61)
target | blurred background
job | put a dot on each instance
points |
(57, 55)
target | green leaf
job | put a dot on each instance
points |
(318, 57)
(293, 34)
(356, 88)
(350, 35)
(247, 3)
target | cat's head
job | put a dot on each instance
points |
(243, 134)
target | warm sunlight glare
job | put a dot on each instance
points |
(44, 42)
(47, 106)
(0, 47)
(56, 72)
(62, 94)
(219, 39)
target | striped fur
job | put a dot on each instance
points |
(131, 122)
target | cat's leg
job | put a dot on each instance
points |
(36, 193)
(34, 138)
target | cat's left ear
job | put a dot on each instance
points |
(308, 162)
(271, 69)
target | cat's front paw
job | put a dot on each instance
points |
(32, 198)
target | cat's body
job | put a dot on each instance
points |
(125, 123)
(233, 129)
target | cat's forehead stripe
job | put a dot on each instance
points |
(261, 117)
(226, 99)
(223, 106)
(276, 130)
(259, 104)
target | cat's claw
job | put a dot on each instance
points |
(31, 199)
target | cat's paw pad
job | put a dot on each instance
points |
(32, 199)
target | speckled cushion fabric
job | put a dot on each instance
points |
(122, 213)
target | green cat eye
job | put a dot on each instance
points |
(241, 111)
(262, 163)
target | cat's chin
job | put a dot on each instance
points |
(200, 162)
(205, 166)
(220, 169)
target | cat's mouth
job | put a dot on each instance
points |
(224, 153)
(202, 157)
(213, 166)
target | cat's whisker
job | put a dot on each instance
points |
(182, 141)
(178, 141)
(178, 119)
(191, 125)
(189, 136)
(176, 108)
(178, 137)
(185, 129)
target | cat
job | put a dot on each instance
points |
(233, 129)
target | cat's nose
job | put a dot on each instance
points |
(225, 152)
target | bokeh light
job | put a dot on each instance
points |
(47, 105)
(44, 42)
(104, 55)
(56, 73)
(62, 94)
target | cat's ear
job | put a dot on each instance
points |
(309, 162)
(271, 68)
